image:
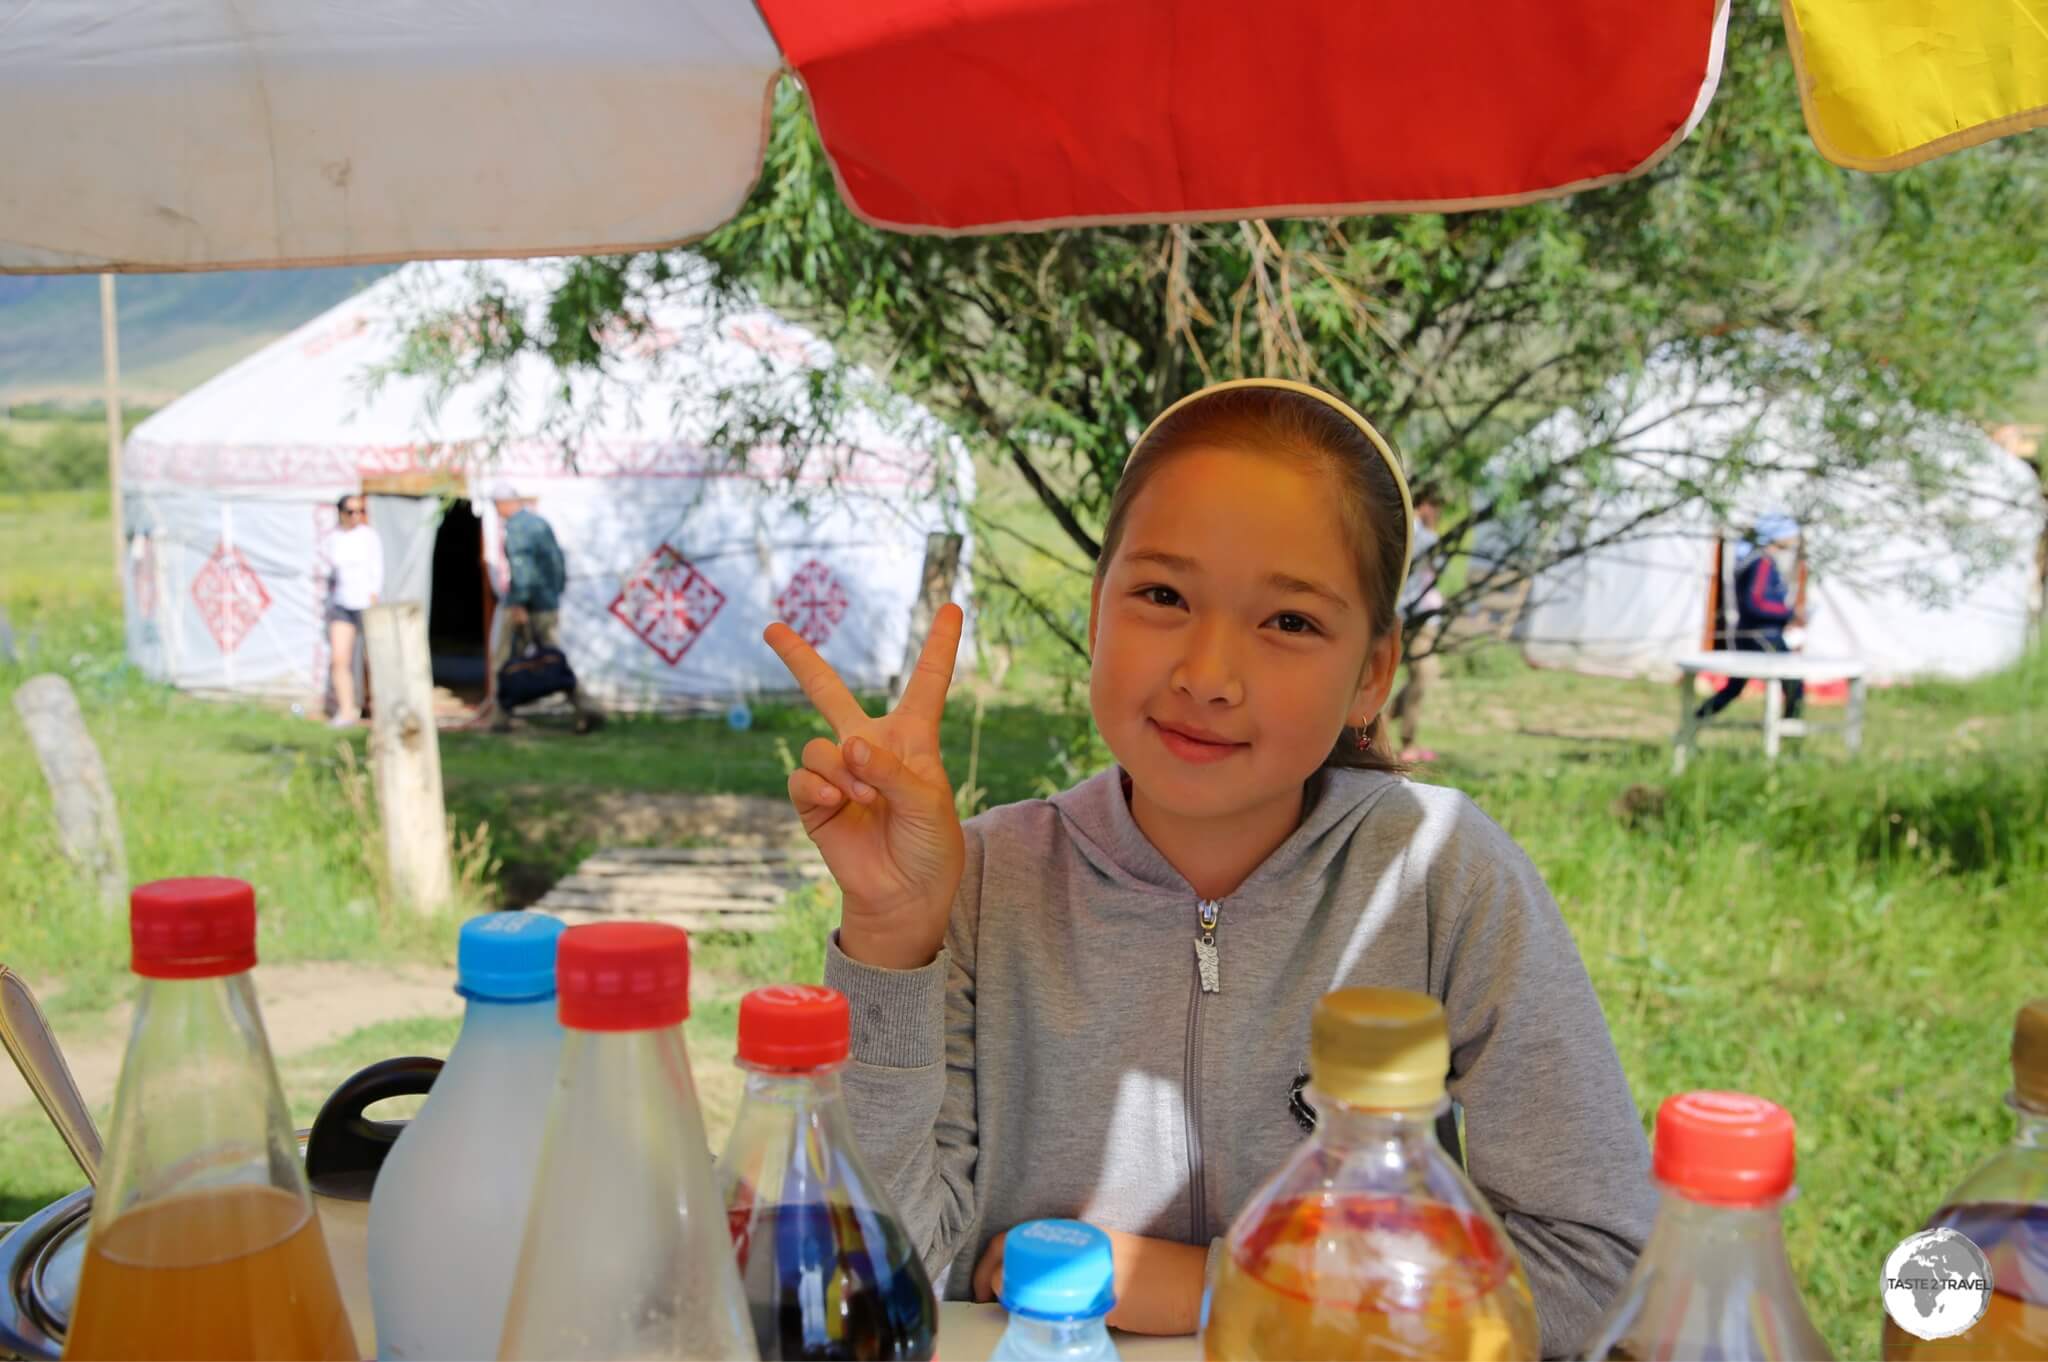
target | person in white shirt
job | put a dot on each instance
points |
(358, 556)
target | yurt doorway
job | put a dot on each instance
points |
(456, 619)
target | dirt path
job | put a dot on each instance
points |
(305, 1006)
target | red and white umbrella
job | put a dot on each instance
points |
(213, 134)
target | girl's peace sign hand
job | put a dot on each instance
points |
(878, 804)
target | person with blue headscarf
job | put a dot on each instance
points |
(1765, 603)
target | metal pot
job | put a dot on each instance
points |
(41, 1258)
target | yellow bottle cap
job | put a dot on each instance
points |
(1380, 1047)
(2030, 1054)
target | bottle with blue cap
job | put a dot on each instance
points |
(451, 1200)
(1059, 1285)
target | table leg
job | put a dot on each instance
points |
(1774, 714)
(1853, 731)
(1688, 724)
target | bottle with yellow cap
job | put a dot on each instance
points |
(2003, 1209)
(1369, 1241)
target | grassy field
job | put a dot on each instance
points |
(1849, 938)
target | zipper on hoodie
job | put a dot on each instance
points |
(1208, 979)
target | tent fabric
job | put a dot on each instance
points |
(1885, 582)
(985, 115)
(221, 134)
(678, 557)
(1891, 83)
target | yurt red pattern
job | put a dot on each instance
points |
(230, 596)
(813, 603)
(668, 604)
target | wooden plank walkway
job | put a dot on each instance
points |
(721, 889)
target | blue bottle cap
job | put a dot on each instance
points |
(507, 957)
(1059, 1270)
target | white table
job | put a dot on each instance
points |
(968, 1333)
(1774, 670)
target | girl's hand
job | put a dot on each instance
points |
(1159, 1282)
(877, 802)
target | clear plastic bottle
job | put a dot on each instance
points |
(1369, 1241)
(1059, 1285)
(2003, 1208)
(450, 1202)
(626, 1252)
(204, 1242)
(827, 1266)
(1713, 1281)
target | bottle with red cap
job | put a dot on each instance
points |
(625, 1252)
(829, 1271)
(204, 1241)
(1714, 1282)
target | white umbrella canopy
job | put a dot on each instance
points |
(209, 134)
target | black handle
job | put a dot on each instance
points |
(346, 1148)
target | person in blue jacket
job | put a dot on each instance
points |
(1765, 603)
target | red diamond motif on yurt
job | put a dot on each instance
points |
(812, 603)
(230, 596)
(668, 604)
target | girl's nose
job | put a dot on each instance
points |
(1208, 671)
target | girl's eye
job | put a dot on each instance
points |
(1153, 595)
(1291, 623)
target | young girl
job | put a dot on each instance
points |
(1098, 1005)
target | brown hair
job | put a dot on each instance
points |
(1277, 421)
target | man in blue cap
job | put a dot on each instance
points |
(1765, 602)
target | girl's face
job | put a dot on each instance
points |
(1229, 634)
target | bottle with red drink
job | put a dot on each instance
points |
(828, 1269)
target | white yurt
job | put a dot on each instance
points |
(1921, 568)
(679, 551)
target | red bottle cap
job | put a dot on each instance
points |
(199, 928)
(793, 1026)
(623, 976)
(1724, 1147)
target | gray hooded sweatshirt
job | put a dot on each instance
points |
(1060, 1057)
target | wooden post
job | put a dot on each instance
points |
(88, 825)
(405, 755)
(110, 348)
(941, 566)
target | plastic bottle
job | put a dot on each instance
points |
(450, 1202)
(204, 1242)
(2003, 1208)
(827, 1267)
(1369, 1241)
(1059, 1285)
(626, 1252)
(1713, 1281)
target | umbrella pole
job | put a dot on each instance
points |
(110, 348)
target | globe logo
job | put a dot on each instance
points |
(1937, 1283)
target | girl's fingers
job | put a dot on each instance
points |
(988, 1273)
(816, 800)
(924, 695)
(821, 685)
(825, 757)
(878, 767)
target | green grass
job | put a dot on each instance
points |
(1850, 938)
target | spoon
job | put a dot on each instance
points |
(28, 1038)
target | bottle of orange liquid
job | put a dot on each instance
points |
(204, 1242)
(2002, 1208)
(1370, 1242)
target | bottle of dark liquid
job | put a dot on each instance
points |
(2003, 1209)
(1714, 1282)
(827, 1267)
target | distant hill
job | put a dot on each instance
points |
(177, 330)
